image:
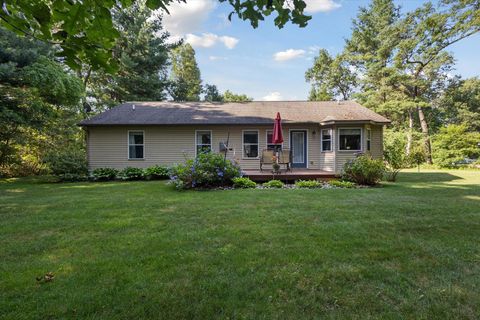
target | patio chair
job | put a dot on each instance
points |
(284, 157)
(266, 158)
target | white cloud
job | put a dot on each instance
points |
(273, 96)
(207, 40)
(187, 17)
(314, 6)
(288, 54)
(215, 58)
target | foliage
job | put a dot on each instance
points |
(243, 183)
(207, 170)
(364, 170)
(131, 173)
(186, 82)
(229, 96)
(211, 93)
(273, 184)
(310, 184)
(142, 54)
(70, 160)
(394, 154)
(330, 76)
(341, 184)
(86, 32)
(157, 172)
(105, 174)
(454, 143)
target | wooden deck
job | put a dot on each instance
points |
(292, 175)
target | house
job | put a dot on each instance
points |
(321, 135)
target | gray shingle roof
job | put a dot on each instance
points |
(256, 112)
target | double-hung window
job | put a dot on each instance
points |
(136, 145)
(203, 141)
(350, 139)
(250, 144)
(326, 139)
(369, 138)
(270, 144)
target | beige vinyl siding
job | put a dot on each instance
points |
(376, 145)
(166, 145)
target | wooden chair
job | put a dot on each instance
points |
(266, 158)
(284, 157)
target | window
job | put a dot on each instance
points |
(250, 144)
(326, 140)
(369, 138)
(135, 145)
(270, 144)
(350, 139)
(203, 141)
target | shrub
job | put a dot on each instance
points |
(130, 173)
(207, 170)
(364, 170)
(104, 174)
(273, 184)
(454, 144)
(341, 184)
(157, 173)
(243, 183)
(394, 154)
(67, 161)
(308, 184)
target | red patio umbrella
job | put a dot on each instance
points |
(277, 130)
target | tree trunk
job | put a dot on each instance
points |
(408, 148)
(426, 136)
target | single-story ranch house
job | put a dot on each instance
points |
(320, 136)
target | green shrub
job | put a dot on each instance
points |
(453, 144)
(67, 161)
(308, 184)
(273, 184)
(364, 170)
(394, 154)
(104, 174)
(130, 173)
(157, 172)
(207, 170)
(341, 184)
(243, 183)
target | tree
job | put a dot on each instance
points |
(455, 143)
(142, 55)
(185, 74)
(330, 76)
(211, 93)
(87, 35)
(229, 96)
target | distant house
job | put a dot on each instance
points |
(319, 136)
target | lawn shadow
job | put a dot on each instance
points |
(427, 177)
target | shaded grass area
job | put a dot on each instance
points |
(140, 250)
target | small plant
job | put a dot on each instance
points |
(130, 173)
(273, 184)
(364, 170)
(157, 172)
(310, 184)
(104, 174)
(341, 184)
(243, 183)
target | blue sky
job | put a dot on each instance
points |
(268, 63)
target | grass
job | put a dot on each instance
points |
(140, 250)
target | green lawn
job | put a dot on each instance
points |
(140, 250)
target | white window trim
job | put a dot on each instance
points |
(243, 144)
(307, 132)
(349, 128)
(211, 140)
(368, 139)
(266, 138)
(331, 140)
(128, 144)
